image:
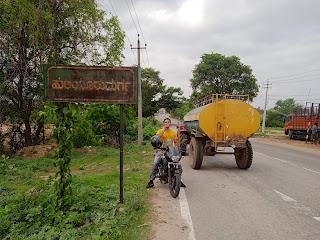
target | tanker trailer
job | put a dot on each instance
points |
(217, 122)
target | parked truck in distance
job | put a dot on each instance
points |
(296, 124)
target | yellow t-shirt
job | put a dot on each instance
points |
(168, 136)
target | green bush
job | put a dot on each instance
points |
(83, 134)
(150, 127)
(27, 203)
(105, 120)
(49, 112)
(274, 119)
(32, 216)
(97, 123)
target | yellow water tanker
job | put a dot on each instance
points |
(218, 122)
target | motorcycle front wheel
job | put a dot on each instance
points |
(175, 184)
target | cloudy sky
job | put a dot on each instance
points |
(279, 39)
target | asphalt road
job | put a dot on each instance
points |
(277, 198)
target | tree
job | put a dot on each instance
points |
(287, 106)
(171, 98)
(152, 88)
(181, 111)
(155, 94)
(217, 73)
(274, 118)
(33, 32)
(276, 115)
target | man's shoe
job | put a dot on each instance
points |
(150, 184)
(182, 185)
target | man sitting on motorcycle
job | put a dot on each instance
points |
(168, 137)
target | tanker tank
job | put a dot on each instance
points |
(221, 121)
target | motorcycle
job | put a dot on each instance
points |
(170, 170)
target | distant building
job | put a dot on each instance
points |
(161, 114)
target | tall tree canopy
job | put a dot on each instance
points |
(171, 98)
(33, 32)
(152, 87)
(155, 94)
(217, 73)
(287, 106)
(276, 115)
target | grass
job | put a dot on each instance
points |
(27, 197)
(271, 131)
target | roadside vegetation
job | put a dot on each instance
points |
(277, 115)
(271, 131)
(27, 199)
(73, 191)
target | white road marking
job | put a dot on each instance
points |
(311, 170)
(289, 163)
(281, 160)
(185, 213)
(285, 197)
(296, 205)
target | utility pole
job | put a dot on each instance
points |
(140, 130)
(267, 86)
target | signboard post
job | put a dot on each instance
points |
(121, 151)
(93, 84)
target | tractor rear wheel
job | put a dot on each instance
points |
(196, 152)
(244, 156)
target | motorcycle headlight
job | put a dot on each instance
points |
(175, 158)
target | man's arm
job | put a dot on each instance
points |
(160, 132)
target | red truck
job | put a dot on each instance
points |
(296, 124)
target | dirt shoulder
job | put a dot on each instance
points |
(166, 221)
(284, 141)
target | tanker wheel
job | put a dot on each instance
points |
(183, 143)
(196, 152)
(244, 156)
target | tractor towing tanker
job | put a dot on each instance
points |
(217, 122)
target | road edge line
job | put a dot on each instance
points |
(185, 213)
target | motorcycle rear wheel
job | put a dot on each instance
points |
(175, 184)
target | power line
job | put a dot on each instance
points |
(147, 57)
(295, 99)
(308, 94)
(293, 95)
(295, 74)
(125, 32)
(297, 80)
(138, 21)
(134, 9)
(132, 17)
(142, 59)
(135, 25)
